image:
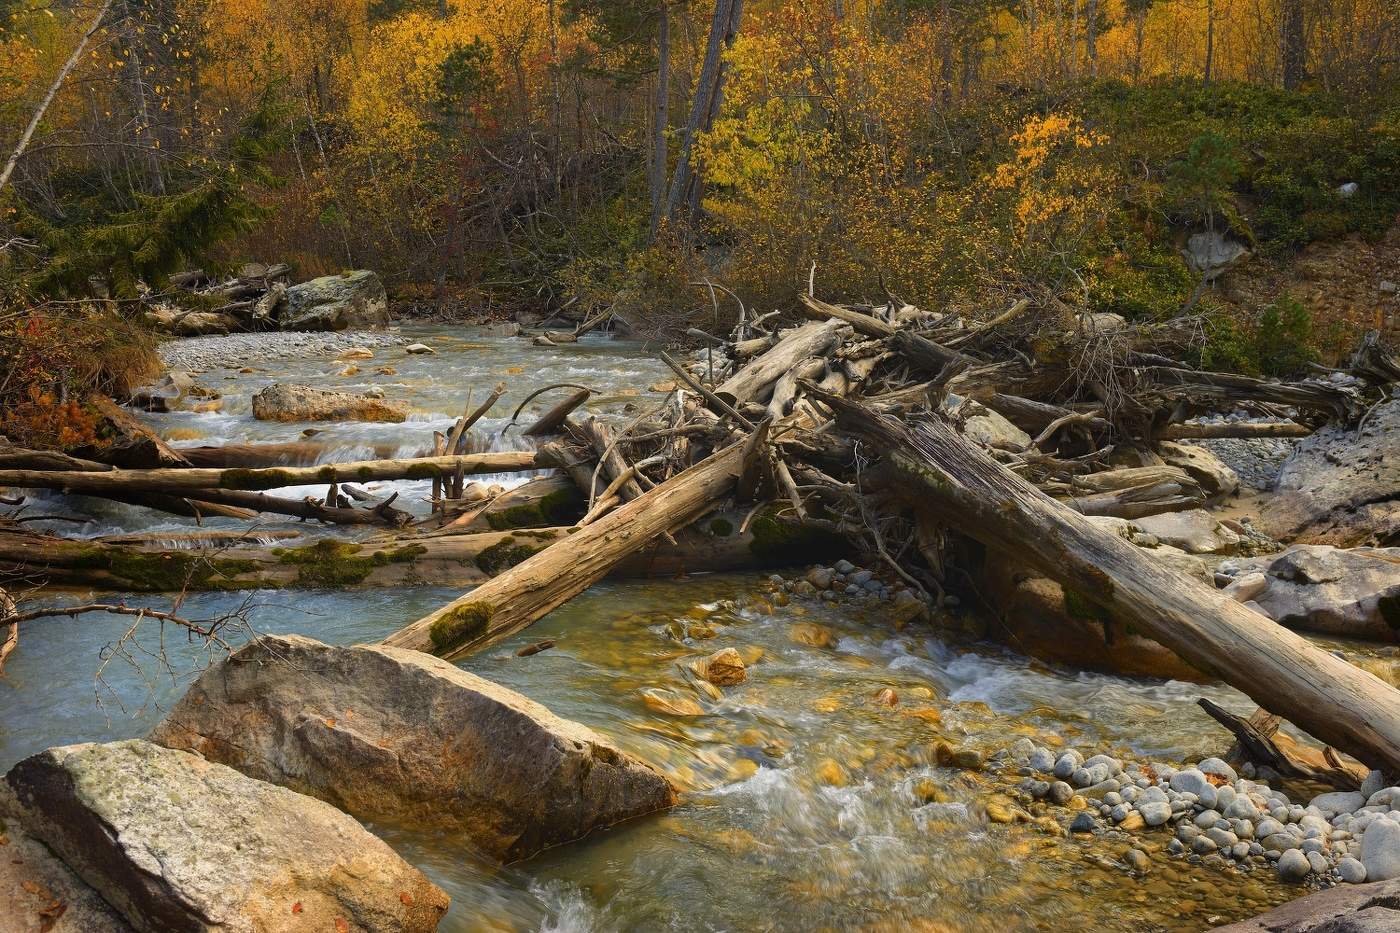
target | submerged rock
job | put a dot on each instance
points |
(391, 734)
(175, 842)
(288, 402)
(335, 302)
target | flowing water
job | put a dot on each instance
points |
(807, 806)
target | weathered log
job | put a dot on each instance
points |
(925, 355)
(1182, 432)
(1374, 362)
(189, 480)
(599, 437)
(866, 324)
(130, 443)
(9, 631)
(549, 501)
(1196, 385)
(1258, 739)
(515, 599)
(22, 458)
(1331, 699)
(553, 420)
(752, 381)
(1131, 477)
(1140, 501)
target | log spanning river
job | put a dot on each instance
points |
(807, 805)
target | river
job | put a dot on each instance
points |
(807, 804)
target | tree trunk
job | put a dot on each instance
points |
(1293, 50)
(661, 117)
(43, 107)
(759, 374)
(683, 176)
(192, 480)
(1319, 692)
(515, 599)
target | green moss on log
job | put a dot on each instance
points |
(503, 555)
(721, 528)
(555, 508)
(256, 479)
(422, 471)
(336, 564)
(169, 571)
(778, 542)
(458, 624)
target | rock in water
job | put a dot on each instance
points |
(336, 302)
(1340, 487)
(175, 842)
(724, 668)
(398, 735)
(287, 402)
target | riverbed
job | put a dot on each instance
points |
(807, 804)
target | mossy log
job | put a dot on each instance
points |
(514, 600)
(179, 561)
(1322, 694)
(193, 479)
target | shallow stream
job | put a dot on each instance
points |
(808, 804)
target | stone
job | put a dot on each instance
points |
(288, 402)
(1341, 487)
(1192, 781)
(1293, 866)
(1060, 793)
(337, 302)
(1351, 870)
(1155, 813)
(1067, 764)
(1137, 859)
(1367, 908)
(1132, 822)
(724, 668)
(174, 842)
(1318, 861)
(1218, 767)
(1348, 592)
(1380, 850)
(1042, 759)
(1210, 253)
(984, 426)
(811, 634)
(42, 895)
(419, 349)
(1084, 823)
(820, 577)
(389, 734)
(1338, 802)
(1374, 781)
(1195, 531)
(1247, 588)
(1209, 471)
(1241, 808)
(166, 393)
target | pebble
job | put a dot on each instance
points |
(1083, 823)
(1155, 813)
(236, 350)
(1351, 870)
(1060, 793)
(1137, 860)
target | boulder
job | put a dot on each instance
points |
(174, 842)
(1350, 908)
(337, 302)
(1194, 531)
(287, 402)
(1341, 487)
(1209, 471)
(40, 893)
(1036, 616)
(1353, 592)
(392, 734)
(1211, 253)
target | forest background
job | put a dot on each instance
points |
(495, 156)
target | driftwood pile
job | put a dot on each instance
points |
(200, 304)
(905, 434)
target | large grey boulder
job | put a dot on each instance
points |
(1347, 908)
(398, 735)
(1194, 531)
(289, 402)
(336, 302)
(1317, 588)
(1211, 253)
(1340, 486)
(177, 843)
(38, 893)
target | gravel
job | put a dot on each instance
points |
(194, 354)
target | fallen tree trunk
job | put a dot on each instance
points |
(1336, 702)
(756, 377)
(191, 479)
(1182, 432)
(553, 420)
(514, 600)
